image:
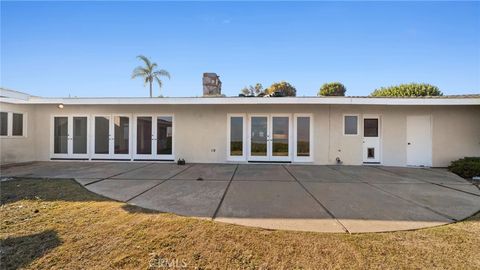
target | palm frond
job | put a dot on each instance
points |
(146, 60)
(139, 72)
(160, 83)
(161, 72)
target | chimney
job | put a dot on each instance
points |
(212, 86)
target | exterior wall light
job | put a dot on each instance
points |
(60, 106)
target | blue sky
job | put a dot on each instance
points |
(89, 48)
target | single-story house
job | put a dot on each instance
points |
(426, 131)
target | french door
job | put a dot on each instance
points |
(270, 138)
(111, 136)
(70, 137)
(153, 137)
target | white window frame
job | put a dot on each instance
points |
(243, 157)
(10, 125)
(70, 154)
(358, 124)
(296, 158)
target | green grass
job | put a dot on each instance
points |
(58, 224)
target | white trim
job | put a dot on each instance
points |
(111, 137)
(296, 158)
(249, 138)
(243, 157)
(245, 100)
(69, 153)
(358, 124)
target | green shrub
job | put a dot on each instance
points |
(466, 167)
(332, 89)
(408, 90)
(285, 88)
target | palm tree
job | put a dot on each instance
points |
(149, 73)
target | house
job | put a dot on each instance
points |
(430, 131)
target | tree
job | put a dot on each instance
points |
(408, 90)
(253, 90)
(149, 73)
(283, 87)
(332, 89)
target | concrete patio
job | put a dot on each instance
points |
(273, 196)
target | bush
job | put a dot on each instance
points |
(282, 87)
(466, 167)
(332, 89)
(408, 90)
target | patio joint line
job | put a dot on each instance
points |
(316, 200)
(224, 194)
(118, 174)
(156, 185)
(410, 201)
(428, 182)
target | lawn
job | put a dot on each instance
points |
(59, 224)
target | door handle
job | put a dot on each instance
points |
(408, 143)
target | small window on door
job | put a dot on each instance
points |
(303, 136)
(370, 127)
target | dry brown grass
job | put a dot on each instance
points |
(58, 224)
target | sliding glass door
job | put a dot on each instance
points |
(154, 137)
(70, 137)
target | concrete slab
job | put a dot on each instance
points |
(425, 175)
(274, 205)
(309, 173)
(184, 197)
(465, 187)
(363, 208)
(223, 172)
(99, 170)
(121, 190)
(452, 203)
(263, 172)
(372, 174)
(158, 171)
(86, 181)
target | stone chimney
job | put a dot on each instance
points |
(212, 86)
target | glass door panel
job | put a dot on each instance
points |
(121, 134)
(303, 136)
(236, 136)
(60, 135)
(79, 135)
(102, 135)
(280, 136)
(144, 135)
(164, 135)
(259, 136)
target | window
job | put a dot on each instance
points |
(350, 125)
(12, 124)
(164, 135)
(3, 124)
(236, 137)
(303, 138)
(17, 124)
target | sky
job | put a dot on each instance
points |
(58, 49)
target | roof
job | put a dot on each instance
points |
(10, 96)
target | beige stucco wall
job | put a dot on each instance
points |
(201, 130)
(19, 148)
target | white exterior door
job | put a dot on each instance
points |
(111, 137)
(371, 139)
(153, 137)
(419, 140)
(269, 138)
(70, 137)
